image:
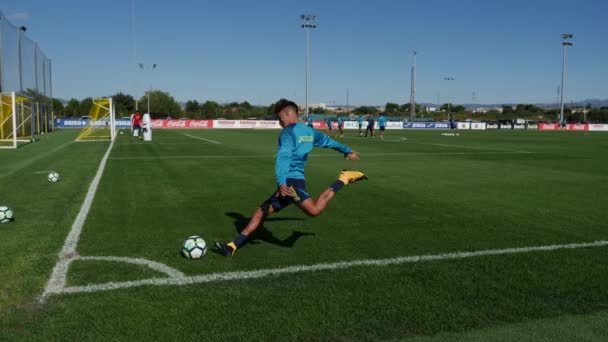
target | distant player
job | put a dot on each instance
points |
(370, 125)
(361, 119)
(452, 123)
(382, 125)
(136, 123)
(309, 121)
(295, 143)
(341, 126)
(328, 124)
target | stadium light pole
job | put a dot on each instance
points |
(413, 91)
(308, 18)
(565, 43)
(142, 67)
(448, 79)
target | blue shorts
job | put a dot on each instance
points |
(279, 202)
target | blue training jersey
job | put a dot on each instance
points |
(382, 121)
(295, 143)
(309, 121)
(361, 119)
(340, 121)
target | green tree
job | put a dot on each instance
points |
(193, 109)
(84, 108)
(507, 110)
(365, 110)
(210, 110)
(162, 104)
(318, 110)
(124, 104)
(391, 108)
(57, 107)
(71, 109)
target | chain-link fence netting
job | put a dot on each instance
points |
(26, 70)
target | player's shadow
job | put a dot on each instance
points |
(263, 234)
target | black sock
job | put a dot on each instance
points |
(240, 240)
(336, 186)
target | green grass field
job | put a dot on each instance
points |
(427, 194)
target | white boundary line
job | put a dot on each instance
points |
(406, 141)
(157, 266)
(195, 137)
(68, 252)
(313, 155)
(28, 162)
(262, 273)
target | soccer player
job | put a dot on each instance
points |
(136, 124)
(295, 143)
(340, 126)
(370, 125)
(382, 124)
(328, 124)
(361, 119)
(452, 123)
(309, 121)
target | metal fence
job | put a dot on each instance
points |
(25, 69)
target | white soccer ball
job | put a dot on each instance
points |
(194, 247)
(6, 214)
(53, 177)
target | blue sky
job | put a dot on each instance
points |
(229, 50)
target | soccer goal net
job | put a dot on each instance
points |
(102, 122)
(18, 120)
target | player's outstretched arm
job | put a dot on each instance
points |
(321, 140)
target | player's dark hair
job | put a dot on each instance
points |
(284, 103)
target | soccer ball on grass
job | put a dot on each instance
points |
(6, 214)
(53, 177)
(194, 247)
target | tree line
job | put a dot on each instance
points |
(163, 105)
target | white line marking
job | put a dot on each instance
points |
(195, 137)
(311, 155)
(242, 275)
(68, 252)
(157, 266)
(25, 163)
(38, 172)
(404, 140)
(470, 147)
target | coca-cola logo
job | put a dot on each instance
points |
(158, 124)
(199, 123)
(177, 123)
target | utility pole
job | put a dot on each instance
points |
(565, 43)
(413, 91)
(308, 18)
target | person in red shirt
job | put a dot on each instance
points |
(136, 123)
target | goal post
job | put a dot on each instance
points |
(18, 120)
(102, 122)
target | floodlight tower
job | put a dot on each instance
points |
(141, 67)
(413, 91)
(308, 19)
(565, 37)
(448, 79)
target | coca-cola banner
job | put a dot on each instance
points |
(186, 124)
(548, 126)
(577, 127)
